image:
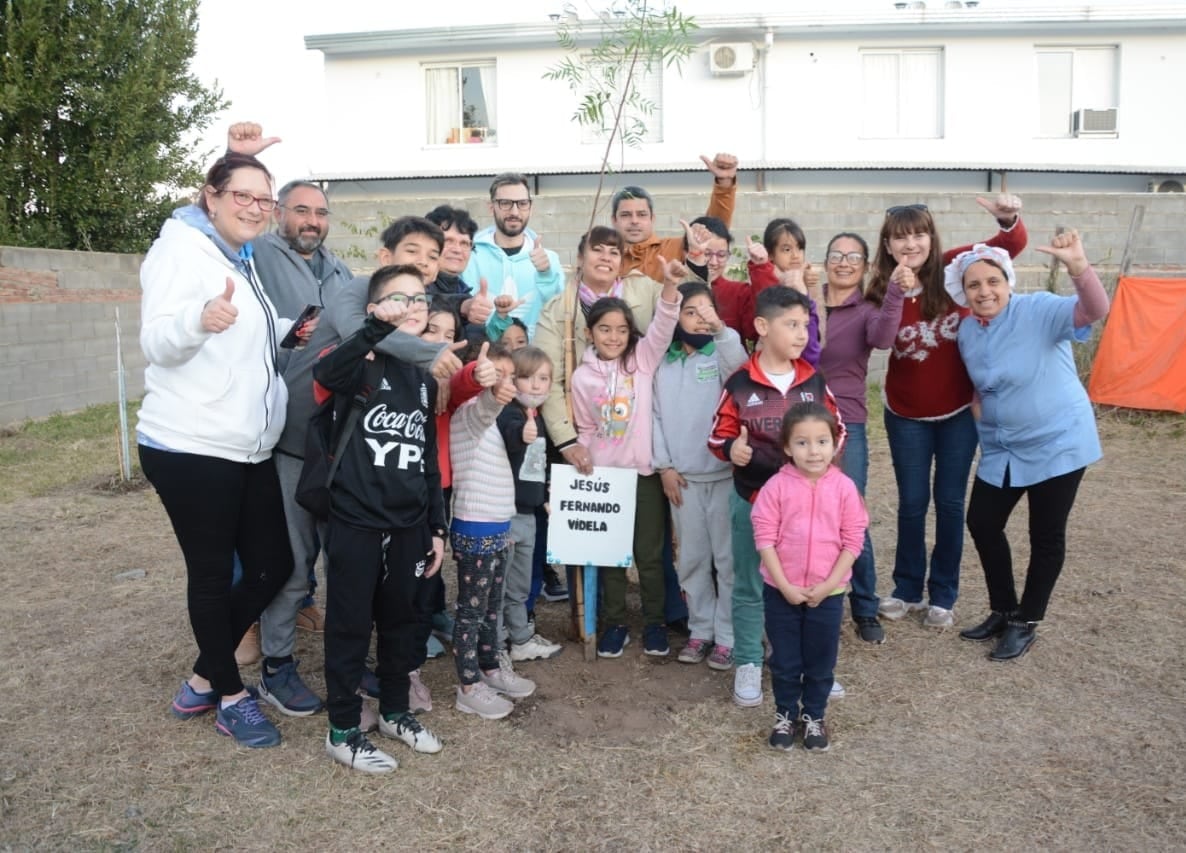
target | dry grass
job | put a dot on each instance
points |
(1077, 746)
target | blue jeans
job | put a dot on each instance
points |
(951, 444)
(804, 642)
(862, 597)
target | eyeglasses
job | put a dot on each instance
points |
(244, 199)
(404, 299)
(854, 258)
(505, 204)
(717, 256)
(305, 210)
(902, 208)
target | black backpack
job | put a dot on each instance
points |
(329, 432)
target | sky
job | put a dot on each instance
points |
(255, 51)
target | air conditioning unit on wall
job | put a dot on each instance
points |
(1095, 122)
(730, 59)
(1167, 185)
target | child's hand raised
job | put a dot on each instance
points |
(740, 453)
(756, 251)
(530, 430)
(485, 373)
(390, 311)
(697, 236)
(709, 315)
(674, 272)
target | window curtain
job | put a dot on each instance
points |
(444, 106)
(486, 75)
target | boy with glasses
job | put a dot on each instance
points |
(510, 257)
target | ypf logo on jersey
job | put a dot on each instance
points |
(397, 425)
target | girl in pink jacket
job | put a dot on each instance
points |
(809, 528)
(611, 406)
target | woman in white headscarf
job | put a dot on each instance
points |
(1037, 428)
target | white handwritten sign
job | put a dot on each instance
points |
(592, 520)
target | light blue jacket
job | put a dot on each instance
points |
(1035, 418)
(490, 262)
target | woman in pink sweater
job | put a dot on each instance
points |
(809, 527)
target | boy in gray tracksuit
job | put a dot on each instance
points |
(704, 353)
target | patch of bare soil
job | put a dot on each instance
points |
(1078, 745)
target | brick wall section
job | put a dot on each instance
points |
(57, 309)
(57, 330)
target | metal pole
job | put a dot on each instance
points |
(125, 456)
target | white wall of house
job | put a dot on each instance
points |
(989, 105)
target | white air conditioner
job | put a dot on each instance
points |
(1095, 122)
(730, 59)
(1167, 185)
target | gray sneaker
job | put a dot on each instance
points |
(508, 682)
(484, 702)
(287, 692)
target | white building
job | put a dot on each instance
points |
(939, 95)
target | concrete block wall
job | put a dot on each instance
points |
(57, 309)
(57, 330)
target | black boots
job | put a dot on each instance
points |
(991, 627)
(1015, 641)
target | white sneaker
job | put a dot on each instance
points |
(536, 648)
(409, 729)
(747, 685)
(358, 753)
(838, 691)
(419, 697)
(894, 609)
(484, 702)
(938, 617)
(506, 681)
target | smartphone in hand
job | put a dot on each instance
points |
(291, 341)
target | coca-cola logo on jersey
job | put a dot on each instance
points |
(918, 339)
(397, 424)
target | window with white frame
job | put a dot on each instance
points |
(460, 103)
(1077, 91)
(902, 93)
(646, 124)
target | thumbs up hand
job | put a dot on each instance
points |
(539, 257)
(530, 430)
(480, 306)
(756, 251)
(219, 313)
(740, 453)
(485, 373)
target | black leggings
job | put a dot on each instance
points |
(1050, 503)
(219, 508)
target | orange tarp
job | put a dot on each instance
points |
(1141, 361)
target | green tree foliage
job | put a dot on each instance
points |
(631, 37)
(96, 104)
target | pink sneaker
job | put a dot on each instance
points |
(419, 698)
(694, 651)
(720, 658)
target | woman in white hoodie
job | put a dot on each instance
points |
(213, 409)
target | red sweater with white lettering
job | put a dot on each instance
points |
(926, 378)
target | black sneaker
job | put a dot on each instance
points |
(554, 589)
(869, 629)
(654, 641)
(783, 735)
(815, 734)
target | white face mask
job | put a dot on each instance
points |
(530, 401)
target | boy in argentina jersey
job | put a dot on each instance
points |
(386, 527)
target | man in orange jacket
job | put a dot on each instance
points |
(633, 213)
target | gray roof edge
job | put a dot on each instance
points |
(938, 22)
